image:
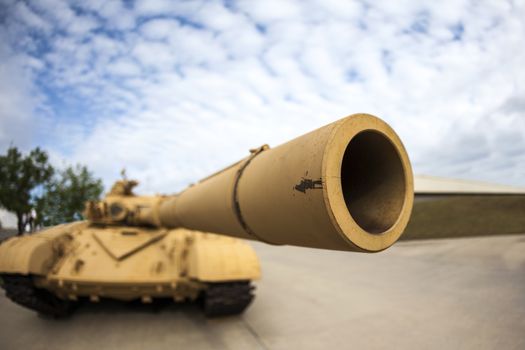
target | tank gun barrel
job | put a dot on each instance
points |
(345, 186)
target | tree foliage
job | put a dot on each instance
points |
(20, 176)
(65, 195)
(30, 183)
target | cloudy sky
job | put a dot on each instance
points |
(174, 90)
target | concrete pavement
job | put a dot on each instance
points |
(464, 293)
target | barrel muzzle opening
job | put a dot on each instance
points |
(369, 183)
(373, 182)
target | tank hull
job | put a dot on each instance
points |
(86, 261)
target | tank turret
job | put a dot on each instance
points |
(122, 207)
(346, 186)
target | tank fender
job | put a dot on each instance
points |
(212, 258)
(33, 254)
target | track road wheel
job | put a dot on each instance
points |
(229, 298)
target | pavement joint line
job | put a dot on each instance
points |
(254, 334)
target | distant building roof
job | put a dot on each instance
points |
(425, 184)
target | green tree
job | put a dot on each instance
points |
(20, 177)
(65, 195)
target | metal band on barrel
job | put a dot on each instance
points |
(236, 204)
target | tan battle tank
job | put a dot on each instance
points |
(345, 186)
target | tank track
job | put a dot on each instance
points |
(223, 299)
(21, 290)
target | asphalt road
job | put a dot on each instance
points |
(464, 293)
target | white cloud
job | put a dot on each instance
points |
(271, 10)
(154, 55)
(159, 29)
(30, 18)
(156, 7)
(219, 18)
(124, 67)
(18, 98)
(176, 90)
(82, 25)
(57, 11)
(16, 106)
(117, 16)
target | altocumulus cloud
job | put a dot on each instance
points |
(173, 90)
